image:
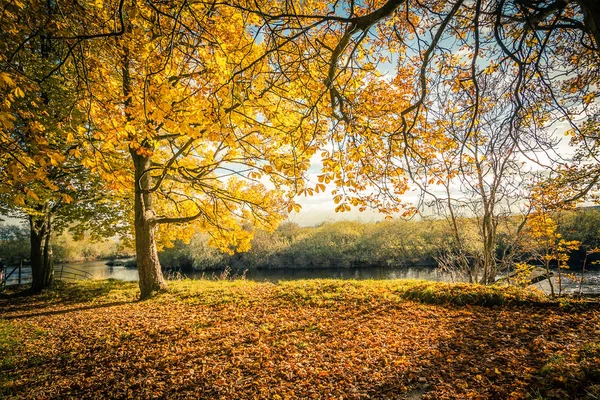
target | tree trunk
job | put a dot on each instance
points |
(42, 266)
(48, 271)
(489, 249)
(549, 277)
(151, 277)
(591, 18)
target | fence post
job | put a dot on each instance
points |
(20, 271)
(61, 271)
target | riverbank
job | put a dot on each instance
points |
(301, 339)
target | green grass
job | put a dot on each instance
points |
(572, 374)
(9, 338)
(9, 343)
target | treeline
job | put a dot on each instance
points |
(329, 245)
(347, 244)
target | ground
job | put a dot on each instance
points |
(319, 339)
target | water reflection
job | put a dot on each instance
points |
(274, 275)
(99, 270)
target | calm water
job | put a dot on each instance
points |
(274, 275)
(99, 270)
(590, 284)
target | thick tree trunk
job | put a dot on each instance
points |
(48, 271)
(151, 277)
(591, 18)
(42, 266)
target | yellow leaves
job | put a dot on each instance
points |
(37, 127)
(19, 200)
(32, 194)
(56, 158)
(18, 92)
(523, 272)
(589, 98)
(542, 230)
(294, 207)
(324, 178)
(491, 68)
(66, 198)
(7, 120)
(6, 81)
(343, 207)
(254, 175)
(144, 151)
(308, 191)
(88, 162)
(50, 185)
(19, 4)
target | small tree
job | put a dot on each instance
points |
(542, 238)
(42, 178)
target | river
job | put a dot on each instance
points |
(99, 270)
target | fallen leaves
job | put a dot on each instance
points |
(308, 339)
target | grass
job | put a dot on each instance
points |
(297, 339)
(9, 340)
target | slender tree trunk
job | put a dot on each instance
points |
(549, 277)
(489, 249)
(582, 272)
(151, 277)
(559, 279)
(36, 255)
(42, 266)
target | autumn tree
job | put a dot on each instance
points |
(528, 42)
(543, 56)
(41, 176)
(541, 237)
(479, 178)
(183, 92)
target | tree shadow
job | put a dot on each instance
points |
(496, 353)
(63, 294)
(67, 310)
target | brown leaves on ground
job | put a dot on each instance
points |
(307, 339)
